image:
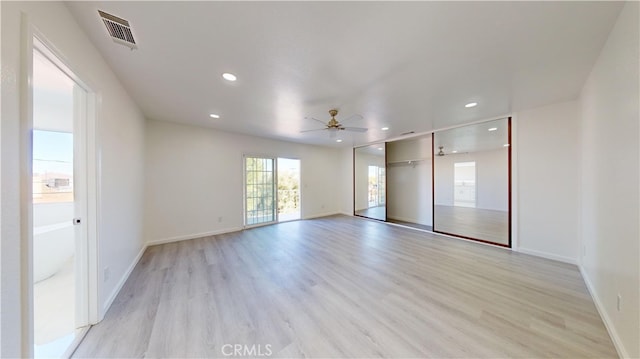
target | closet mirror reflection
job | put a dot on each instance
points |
(370, 182)
(471, 181)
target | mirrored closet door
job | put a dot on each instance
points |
(471, 174)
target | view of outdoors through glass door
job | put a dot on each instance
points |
(288, 189)
(259, 190)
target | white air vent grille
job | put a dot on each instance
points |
(119, 30)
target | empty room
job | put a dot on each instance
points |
(325, 179)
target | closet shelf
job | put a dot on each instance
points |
(407, 161)
(412, 163)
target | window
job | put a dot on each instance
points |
(52, 167)
(260, 195)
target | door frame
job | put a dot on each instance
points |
(32, 40)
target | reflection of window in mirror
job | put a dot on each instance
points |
(464, 184)
(370, 182)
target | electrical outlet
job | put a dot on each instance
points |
(619, 302)
(106, 274)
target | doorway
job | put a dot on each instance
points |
(59, 207)
(464, 184)
(288, 189)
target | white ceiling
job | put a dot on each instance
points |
(410, 66)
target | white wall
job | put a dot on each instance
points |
(120, 140)
(610, 180)
(409, 185)
(547, 145)
(492, 178)
(194, 175)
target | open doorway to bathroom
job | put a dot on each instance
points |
(59, 206)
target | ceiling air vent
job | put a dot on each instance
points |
(119, 30)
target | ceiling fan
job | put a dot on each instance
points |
(441, 153)
(333, 126)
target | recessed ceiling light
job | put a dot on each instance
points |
(454, 151)
(493, 129)
(338, 140)
(213, 115)
(229, 77)
(384, 128)
(380, 148)
(471, 104)
(505, 145)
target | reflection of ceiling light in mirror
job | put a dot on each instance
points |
(493, 129)
(338, 140)
(471, 104)
(229, 77)
(505, 145)
(384, 128)
(213, 115)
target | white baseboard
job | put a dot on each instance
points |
(192, 236)
(121, 282)
(622, 353)
(546, 255)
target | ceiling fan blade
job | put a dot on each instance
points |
(315, 119)
(351, 118)
(317, 129)
(356, 129)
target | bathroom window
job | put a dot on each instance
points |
(52, 166)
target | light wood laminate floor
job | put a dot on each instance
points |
(348, 287)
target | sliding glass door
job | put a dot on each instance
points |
(260, 190)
